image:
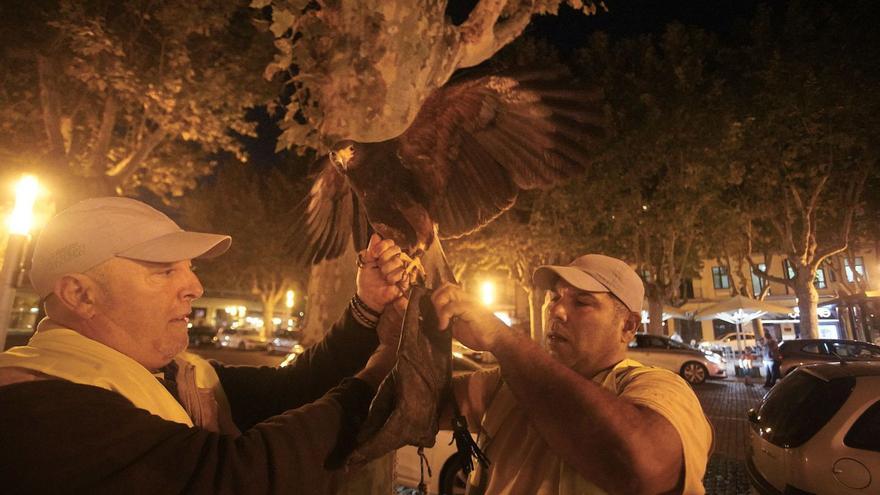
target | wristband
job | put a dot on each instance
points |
(364, 307)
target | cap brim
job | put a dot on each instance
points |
(545, 277)
(178, 246)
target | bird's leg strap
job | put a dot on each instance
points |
(412, 265)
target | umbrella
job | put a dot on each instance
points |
(738, 310)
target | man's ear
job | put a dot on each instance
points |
(77, 293)
(631, 326)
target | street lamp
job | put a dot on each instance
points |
(487, 293)
(19, 222)
(288, 299)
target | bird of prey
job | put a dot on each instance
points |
(473, 146)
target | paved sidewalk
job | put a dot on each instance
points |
(726, 403)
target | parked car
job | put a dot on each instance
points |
(448, 477)
(200, 335)
(284, 341)
(694, 365)
(244, 339)
(800, 352)
(728, 342)
(818, 431)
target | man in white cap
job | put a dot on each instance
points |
(577, 417)
(104, 400)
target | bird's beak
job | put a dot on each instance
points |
(344, 156)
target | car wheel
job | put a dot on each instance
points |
(452, 479)
(694, 372)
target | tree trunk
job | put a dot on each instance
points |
(536, 313)
(331, 285)
(268, 314)
(808, 299)
(655, 316)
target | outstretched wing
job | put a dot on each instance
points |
(477, 142)
(332, 215)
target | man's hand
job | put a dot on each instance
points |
(380, 277)
(472, 324)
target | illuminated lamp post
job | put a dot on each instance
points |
(19, 226)
(487, 293)
(288, 302)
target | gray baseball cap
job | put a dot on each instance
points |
(596, 273)
(95, 230)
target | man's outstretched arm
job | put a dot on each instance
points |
(618, 445)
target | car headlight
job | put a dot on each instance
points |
(712, 357)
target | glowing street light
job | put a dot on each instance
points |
(487, 293)
(20, 222)
(288, 299)
(22, 217)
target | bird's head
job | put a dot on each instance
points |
(343, 155)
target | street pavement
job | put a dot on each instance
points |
(726, 404)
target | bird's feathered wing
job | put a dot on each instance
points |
(476, 143)
(332, 216)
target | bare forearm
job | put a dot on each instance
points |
(609, 440)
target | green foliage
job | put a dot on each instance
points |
(808, 117)
(130, 93)
(662, 173)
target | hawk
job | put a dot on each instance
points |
(473, 146)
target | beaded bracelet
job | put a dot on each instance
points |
(363, 306)
(362, 318)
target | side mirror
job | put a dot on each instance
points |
(753, 416)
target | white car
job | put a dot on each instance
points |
(244, 339)
(818, 431)
(692, 364)
(728, 342)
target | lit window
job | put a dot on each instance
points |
(720, 278)
(860, 269)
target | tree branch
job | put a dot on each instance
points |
(105, 134)
(479, 38)
(766, 275)
(128, 166)
(51, 112)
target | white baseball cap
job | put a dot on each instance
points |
(95, 230)
(596, 273)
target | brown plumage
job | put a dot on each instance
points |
(475, 143)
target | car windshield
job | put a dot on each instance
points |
(800, 406)
(854, 350)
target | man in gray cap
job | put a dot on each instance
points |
(577, 417)
(104, 400)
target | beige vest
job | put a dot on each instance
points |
(63, 353)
